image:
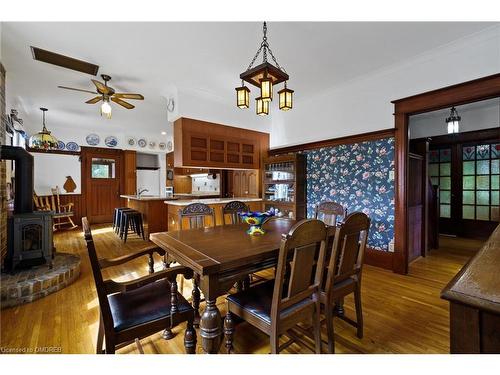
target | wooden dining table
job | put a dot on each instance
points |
(222, 256)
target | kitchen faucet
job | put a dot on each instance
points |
(141, 191)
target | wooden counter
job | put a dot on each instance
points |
(474, 295)
(154, 212)
(217, 204)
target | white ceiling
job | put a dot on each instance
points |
(202, 58)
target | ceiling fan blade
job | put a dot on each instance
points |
(122, 103)
(94, 100)
(72, 88)
(101, 87)
(129, 96)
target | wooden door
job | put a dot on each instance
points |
(415, 207)
(101, 181)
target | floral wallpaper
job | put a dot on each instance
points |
(358, 177)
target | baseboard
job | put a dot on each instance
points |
(378, 258)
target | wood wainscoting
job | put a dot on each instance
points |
(78, 206)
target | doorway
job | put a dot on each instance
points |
(101, 183)
(463, 93)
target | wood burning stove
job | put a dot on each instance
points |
(29, 235)
(29, 239)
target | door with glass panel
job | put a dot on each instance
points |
(468, 180)
(480, 188)
(101, 178)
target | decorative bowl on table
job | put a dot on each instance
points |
(256, 220)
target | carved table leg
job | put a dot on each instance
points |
(210, 327)
(229, 332)
(196, 300)
(190, 339)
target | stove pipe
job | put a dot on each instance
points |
(23, 200)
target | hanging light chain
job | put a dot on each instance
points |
(264, 47)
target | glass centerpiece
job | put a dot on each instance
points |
(256, 220)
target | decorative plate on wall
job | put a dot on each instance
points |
(131, 141)
(169, 146)
(152, 144)
(61, 145)
(142, 142)
(111, 141)
(72, 146)
(93, 139)
(162, 145)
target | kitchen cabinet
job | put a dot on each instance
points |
(204, 144)
(245, 183)
(129, 172)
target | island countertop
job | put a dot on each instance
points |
(147, 197)
(209, 201)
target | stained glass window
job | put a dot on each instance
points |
(480, 182)
(440, 174)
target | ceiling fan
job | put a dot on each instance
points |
(107, 93)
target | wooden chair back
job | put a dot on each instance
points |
(196, 214)
(231, 210)
(98, 279)
(302, 251)
(330, 212)
(55, 194)
(348, 249)
(44, 203)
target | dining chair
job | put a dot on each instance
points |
(276, 306)
(138, 308)
(231, 211)
(330, 212)
(195, 213)
(344, 271)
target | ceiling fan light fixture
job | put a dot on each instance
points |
(43, 140)
(106, 108)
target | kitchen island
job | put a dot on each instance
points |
(255, 204)
(154, 211)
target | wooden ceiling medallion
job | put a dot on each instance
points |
(263, 76)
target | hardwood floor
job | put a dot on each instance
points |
(402, 314)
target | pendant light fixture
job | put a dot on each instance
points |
(262, 106)
(285, 98)
(264, 76)
(453, 121)
(242, 96)
(43, 140)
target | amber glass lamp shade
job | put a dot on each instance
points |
(242, 97)
(285, 99)
(266, 89)
(261, 107)
(43, 140)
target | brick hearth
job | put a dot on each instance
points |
(37, 282)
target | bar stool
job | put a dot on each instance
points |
(132, 220)
(116, 217)
(119, 220)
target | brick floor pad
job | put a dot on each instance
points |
(31, 284)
